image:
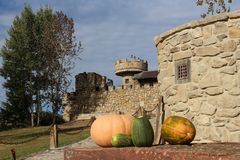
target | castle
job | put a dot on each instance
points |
(199, 78)
(95, 93)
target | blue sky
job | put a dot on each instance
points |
(111, 29)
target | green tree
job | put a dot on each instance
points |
(43, 18)
(37, 58)
(17, 54)
(214, 6)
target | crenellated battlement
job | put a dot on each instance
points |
(132, 87)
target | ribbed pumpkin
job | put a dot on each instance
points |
(178, 130)
(142, 132)
(104, 127)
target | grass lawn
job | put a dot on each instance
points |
(42, 142)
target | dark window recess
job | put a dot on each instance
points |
(126, 81)
(97, 88)
(182, 71)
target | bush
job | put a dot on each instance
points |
(46, 119)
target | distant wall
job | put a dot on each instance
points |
(125, 99)
(129, 99)
(199, 75)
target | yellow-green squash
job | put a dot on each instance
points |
(178, 130)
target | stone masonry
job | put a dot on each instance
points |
(95, 94)
(199, 75)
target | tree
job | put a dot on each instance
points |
(17, 54)
(214, 6)
(42, 19)
(60, 48)
(37, 58)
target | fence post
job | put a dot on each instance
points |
(13, 154)
(159, 121)
(53, 137)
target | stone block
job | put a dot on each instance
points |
(207, 109)
(226, 54)
(213, 91)
(164, 65)
(171, 92)
(232, 61)
(182, 96)
(229, 70)
(237, 55)
(182, 55)
(195, 93)
(220, 27)
(168, 72)
(232, 127)
(234, 137)
(197, 32)
(197, 42)
(218, 62)
(207, 51)
(219, 122)
(236, 121)
(234, 14)
(180, 107)
(203, 120)
(229, 81)
(204, 151)
(211, 79)
(221, 37)
(228, 113)
(166, 83)
(174, 49)
(185, 47)
(195, 104)
(234, 32)
(207, 31)
(172, 100)
(229, 46)
(225, 101)
(184, 38)
(209, 41)
(174, 41)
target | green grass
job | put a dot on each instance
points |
(42, 142)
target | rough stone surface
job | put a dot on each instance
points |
(92, 96)
(229, 46)
(219, 62)
(182, 55)
(234, 32)
(211, 97)
(207, 51)
(163, 152)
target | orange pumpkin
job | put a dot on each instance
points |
(104, 127)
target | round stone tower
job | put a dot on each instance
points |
(126, 68)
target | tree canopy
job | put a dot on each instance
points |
(37, 58)
(215, 6)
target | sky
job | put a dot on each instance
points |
(110, 30)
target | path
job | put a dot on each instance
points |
(57, 154)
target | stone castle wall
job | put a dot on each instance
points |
(124, 99)
(210, 97)
(128, 99)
